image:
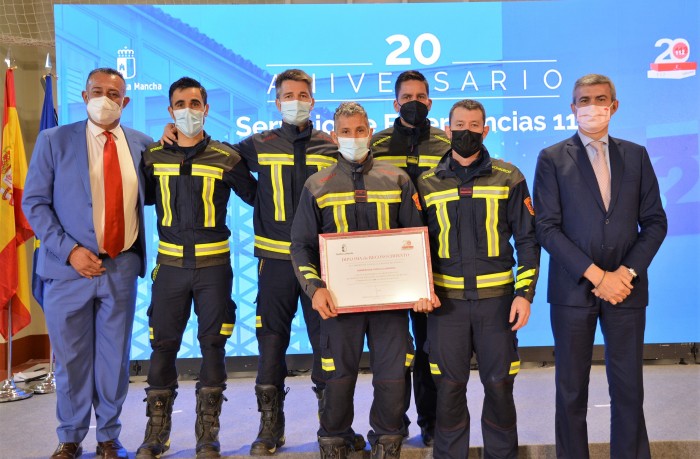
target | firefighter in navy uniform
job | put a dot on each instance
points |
(354, 195)
(190, 184)
(283, 158)
(415, 146)
(473, 205)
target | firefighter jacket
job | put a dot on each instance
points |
(190, 187)
(414, 150)
(347, 197)
(472, 213)
(283, 158)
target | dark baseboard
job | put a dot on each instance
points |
(300, 364)
(32, 347)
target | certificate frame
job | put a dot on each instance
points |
(376, 270)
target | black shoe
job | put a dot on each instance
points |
(428, 434)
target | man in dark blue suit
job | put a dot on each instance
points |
(84, 199)
(600, 217)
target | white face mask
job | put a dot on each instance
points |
(103, 110)
(295, 112)
(353, 149)
(189, 122)
(593, 118)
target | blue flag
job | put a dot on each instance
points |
(49, 119)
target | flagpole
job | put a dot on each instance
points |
(47, 385)
(9, 392)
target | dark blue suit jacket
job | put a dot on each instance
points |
(58, 201)
(573, 226)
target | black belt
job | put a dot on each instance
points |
(104, 256)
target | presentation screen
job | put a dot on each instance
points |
(519, 59)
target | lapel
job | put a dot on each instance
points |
(135, 149)
(81, 156)
(578, 153)
(617, 168)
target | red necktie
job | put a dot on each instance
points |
(114, 199)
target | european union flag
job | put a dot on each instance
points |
(49, 119)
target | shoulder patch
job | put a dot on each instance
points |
(528, 204)
(416, 201)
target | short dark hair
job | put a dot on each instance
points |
(294, 75)
(106, 70)
(593, 79)
(409, 75)
(469, 104)
(184, 83)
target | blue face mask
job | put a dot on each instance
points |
(189, 122)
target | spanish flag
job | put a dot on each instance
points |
(14, 228)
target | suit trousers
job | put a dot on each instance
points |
(89, 323)
(574, 332)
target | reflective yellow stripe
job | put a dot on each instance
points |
(491, 280)
(398, 161)
(200, 250)
(226, 329)
(258, 322)
(150, 333)
(528, 273)
(383, 216)
(514, 367)
(311, 276)
(277, 192)
(492, 236)
(170, 249)
(308, 269)
(208, 201)
(389, 196)
(320, 161)
(444, 224)
(211, 248)
(492, 192)
(201, 170)
(428, 161)
(409, 360)
(335, 199)
(434, 369)
(327, 364)
(340, 219)
(271, 245)
(440, 196)
(166, 169)
(269, 159)
(167, 219)
(522, 283)
(443, 280)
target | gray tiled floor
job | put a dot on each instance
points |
(27, 428)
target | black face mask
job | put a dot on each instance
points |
(467, 143)
(414, 113)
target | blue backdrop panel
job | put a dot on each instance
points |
(520, 59)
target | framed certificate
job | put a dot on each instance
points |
(376, 270)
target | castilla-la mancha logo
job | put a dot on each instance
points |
(126, 63)
(673, 61)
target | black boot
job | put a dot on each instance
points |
(358, 441)
(271, 408)
(159, 409)
(206, 428)
(387, 447)
(333, 447)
